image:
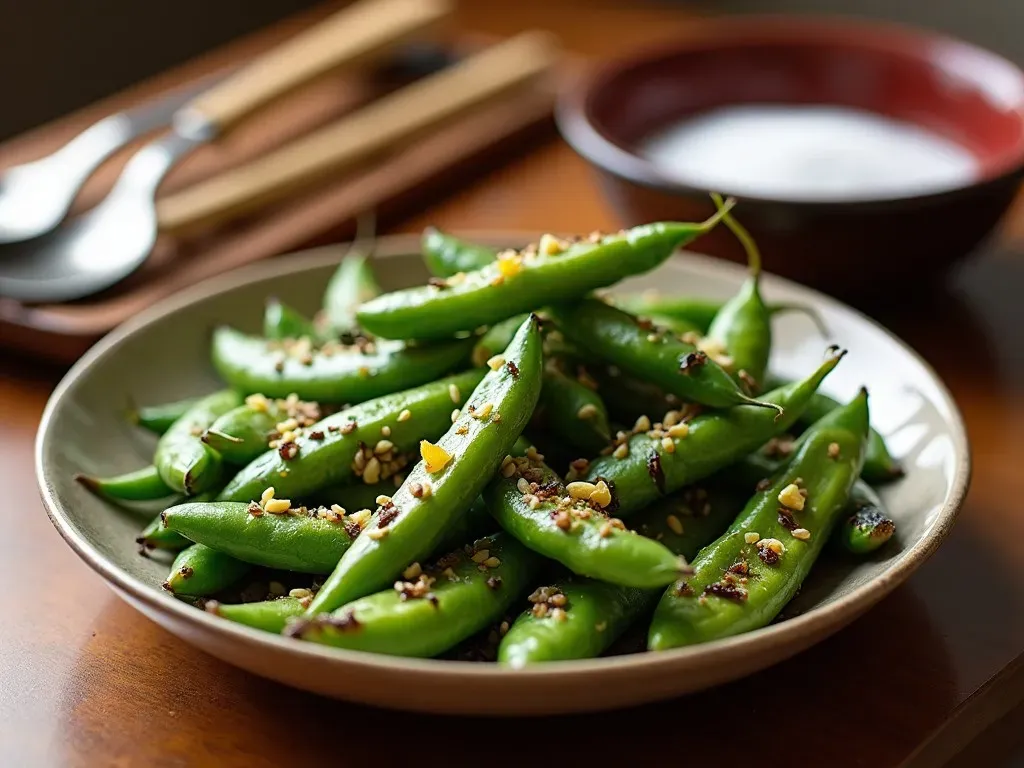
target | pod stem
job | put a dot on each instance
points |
(763, 404)
(810, 312)
(723, 211)
(741, 233)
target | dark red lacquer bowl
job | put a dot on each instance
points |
(954, 89)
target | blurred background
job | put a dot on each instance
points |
(115, 43)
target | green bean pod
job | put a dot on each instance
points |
(156, 536)
(699, 311)
(351, 284)
(627, 397)
(350, 444)
(268, 615)
(867, 525)
(139, 485)
(429, 612)
(532, 505)
(184, 462)
(199, 571)
(455, 470)
(497, 337)
(651, 354)
(524, 281)
(573, 413)
(596, 613)
(743, 327)
(282, 322)
(159, 418)
(744, 579)
(307, 541)
(244, 433)
(446, 255)
(333, 373)
(879, 464)
(656, 463)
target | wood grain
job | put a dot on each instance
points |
(84, 680)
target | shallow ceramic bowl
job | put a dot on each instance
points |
(163, 355)
(963, 93)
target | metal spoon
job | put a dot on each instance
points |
(105, 245)
(35, 196)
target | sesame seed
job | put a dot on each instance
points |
(672, 418)
(558, 614)
(257, 402)
(622, 451)
(549, 245)
(673, 522)
(277, 506)
(533, 454)
(267, 495)
(421, 490)
(668, 445)
(643, 424)
(558, 600)
(385, 431)
(371, 473)
(774, 545)
(801, 533)
(523, 485)
(412, 572)
(492, 562)
(479, 557)
(602, 494)
(382, 499)
(791, 497)
(378, 533)
(833, 450)
(362, 517)
(679, 430)
(605, 530)
(455, 415)
(484, 412)
(299, 593)
(383, 446)
(580, 489)
(338, 510)
(454, 394)
(587, 411)
(751, 537)
(533, 502)
(405, 415)
(496, 362)
(508, 467)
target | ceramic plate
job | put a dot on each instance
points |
(162, 355)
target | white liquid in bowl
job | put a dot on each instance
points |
(809, 153)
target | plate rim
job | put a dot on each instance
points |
(819, 622)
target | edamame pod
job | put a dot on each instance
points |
(866, 525)
(744, 579)
(658, 460)
(368, 442)
(268, 615)
(429, 611)
(447, 480)
(156, 536)
(523, 281)
(184, 462)
(334, 372)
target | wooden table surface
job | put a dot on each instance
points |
(84, 680)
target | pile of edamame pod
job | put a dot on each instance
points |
(506, 464)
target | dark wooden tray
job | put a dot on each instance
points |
(392, 187)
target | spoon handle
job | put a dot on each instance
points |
(354, 139)
(355, 35)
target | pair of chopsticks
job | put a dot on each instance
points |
(383, 125)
